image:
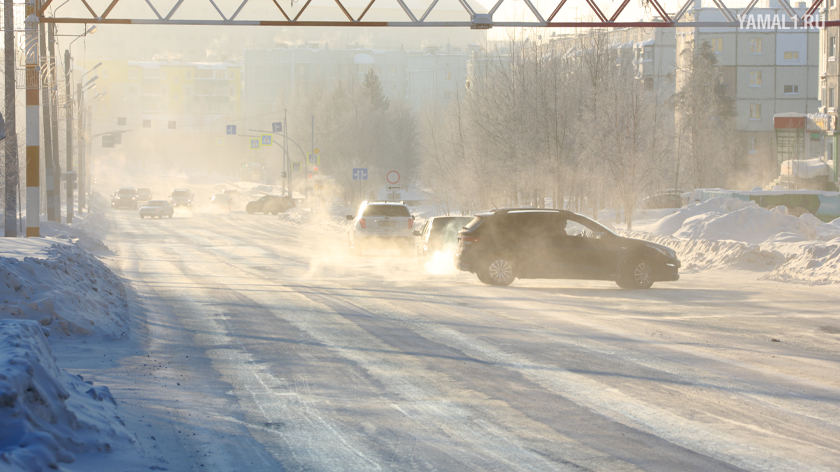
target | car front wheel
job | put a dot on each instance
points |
(498, 271)
(637, 274)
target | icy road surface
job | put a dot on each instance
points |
(265, 347)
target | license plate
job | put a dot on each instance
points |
(385, 223)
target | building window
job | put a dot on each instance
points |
(832, 96)
(648, 53)
(755, 111)
(791, 89)
(755, 78)
(791, 55)
(393, 89)
(132, 90)
(755, 46)
(220, 74)
(648, 83)
(447, 75)
(189, 75)
(133, 73)
(393, 71)
(751, 145)
(717, 45)
(832, 46)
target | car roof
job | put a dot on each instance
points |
(450, 217)
(126, 188)
(181, 189)
(143, 188)
(504, 211)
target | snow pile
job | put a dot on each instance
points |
(731, 219)
(62, 287)
(725, 232)
(806, 168)
(48, 415)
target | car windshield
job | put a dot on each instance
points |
(386, 210)
(156, 203)
(127, 191)
(181, 193)
(144, 190)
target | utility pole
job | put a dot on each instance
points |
(49, 170)
(68, 165)
(33, 128)
(54, 125)
(312, 149)
(286, 162)
(11, 164)
(81, 151)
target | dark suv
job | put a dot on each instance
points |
(501, 245)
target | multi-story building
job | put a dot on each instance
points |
(151, 100)
(273, 77)
(767, 71)
(830, 85)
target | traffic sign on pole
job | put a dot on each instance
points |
(266, 139)
(255, 143)
(314, 159)
(360, 173)
(296, 166)
(277, 127)
(393, 177)
(231, 129)
(220, 141)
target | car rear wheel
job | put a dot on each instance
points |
(636, 274)
(483, 277)
(141, 217)
(498, 271)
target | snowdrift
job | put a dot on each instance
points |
(48, 415)
(724, 232)
(62, 287)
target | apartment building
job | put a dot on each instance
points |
(767, 71)
(829, 84)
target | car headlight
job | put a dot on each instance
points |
(666, 251)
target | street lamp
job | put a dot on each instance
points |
(84, 168)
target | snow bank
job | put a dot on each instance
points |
(48, 415)
(726, 232)
(62, 287)
(731, 219)
(805, 168)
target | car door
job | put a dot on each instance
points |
(587, 255)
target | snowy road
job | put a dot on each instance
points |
(266, 347)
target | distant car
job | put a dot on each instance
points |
(157, 208)
(125, 197)
(181, 197)
(509, 243)
(385, 225)
(440, 233)
(144, 194)
(664, 199)
(274, 204)
(221, 200)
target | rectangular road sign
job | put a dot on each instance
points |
(231, 129)
(360, 173)
(277, 127)
(220, 141)
(296, 166)
(266, 139)
(255, 143)
(313, 159)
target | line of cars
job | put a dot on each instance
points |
(505, 244)
(129, 197)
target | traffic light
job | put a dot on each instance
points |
(283, 175)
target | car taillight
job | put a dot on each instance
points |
(362, 223)
(470, 239)
(410, 223)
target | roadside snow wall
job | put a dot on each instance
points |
(61, 286)
(48, 415)
(725, 232)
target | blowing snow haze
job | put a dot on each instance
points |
(419, 235)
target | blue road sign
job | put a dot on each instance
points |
(296, 166)
(255, 143)
(360, 173)
(277, 127)
(231, 129)
(266, 140)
